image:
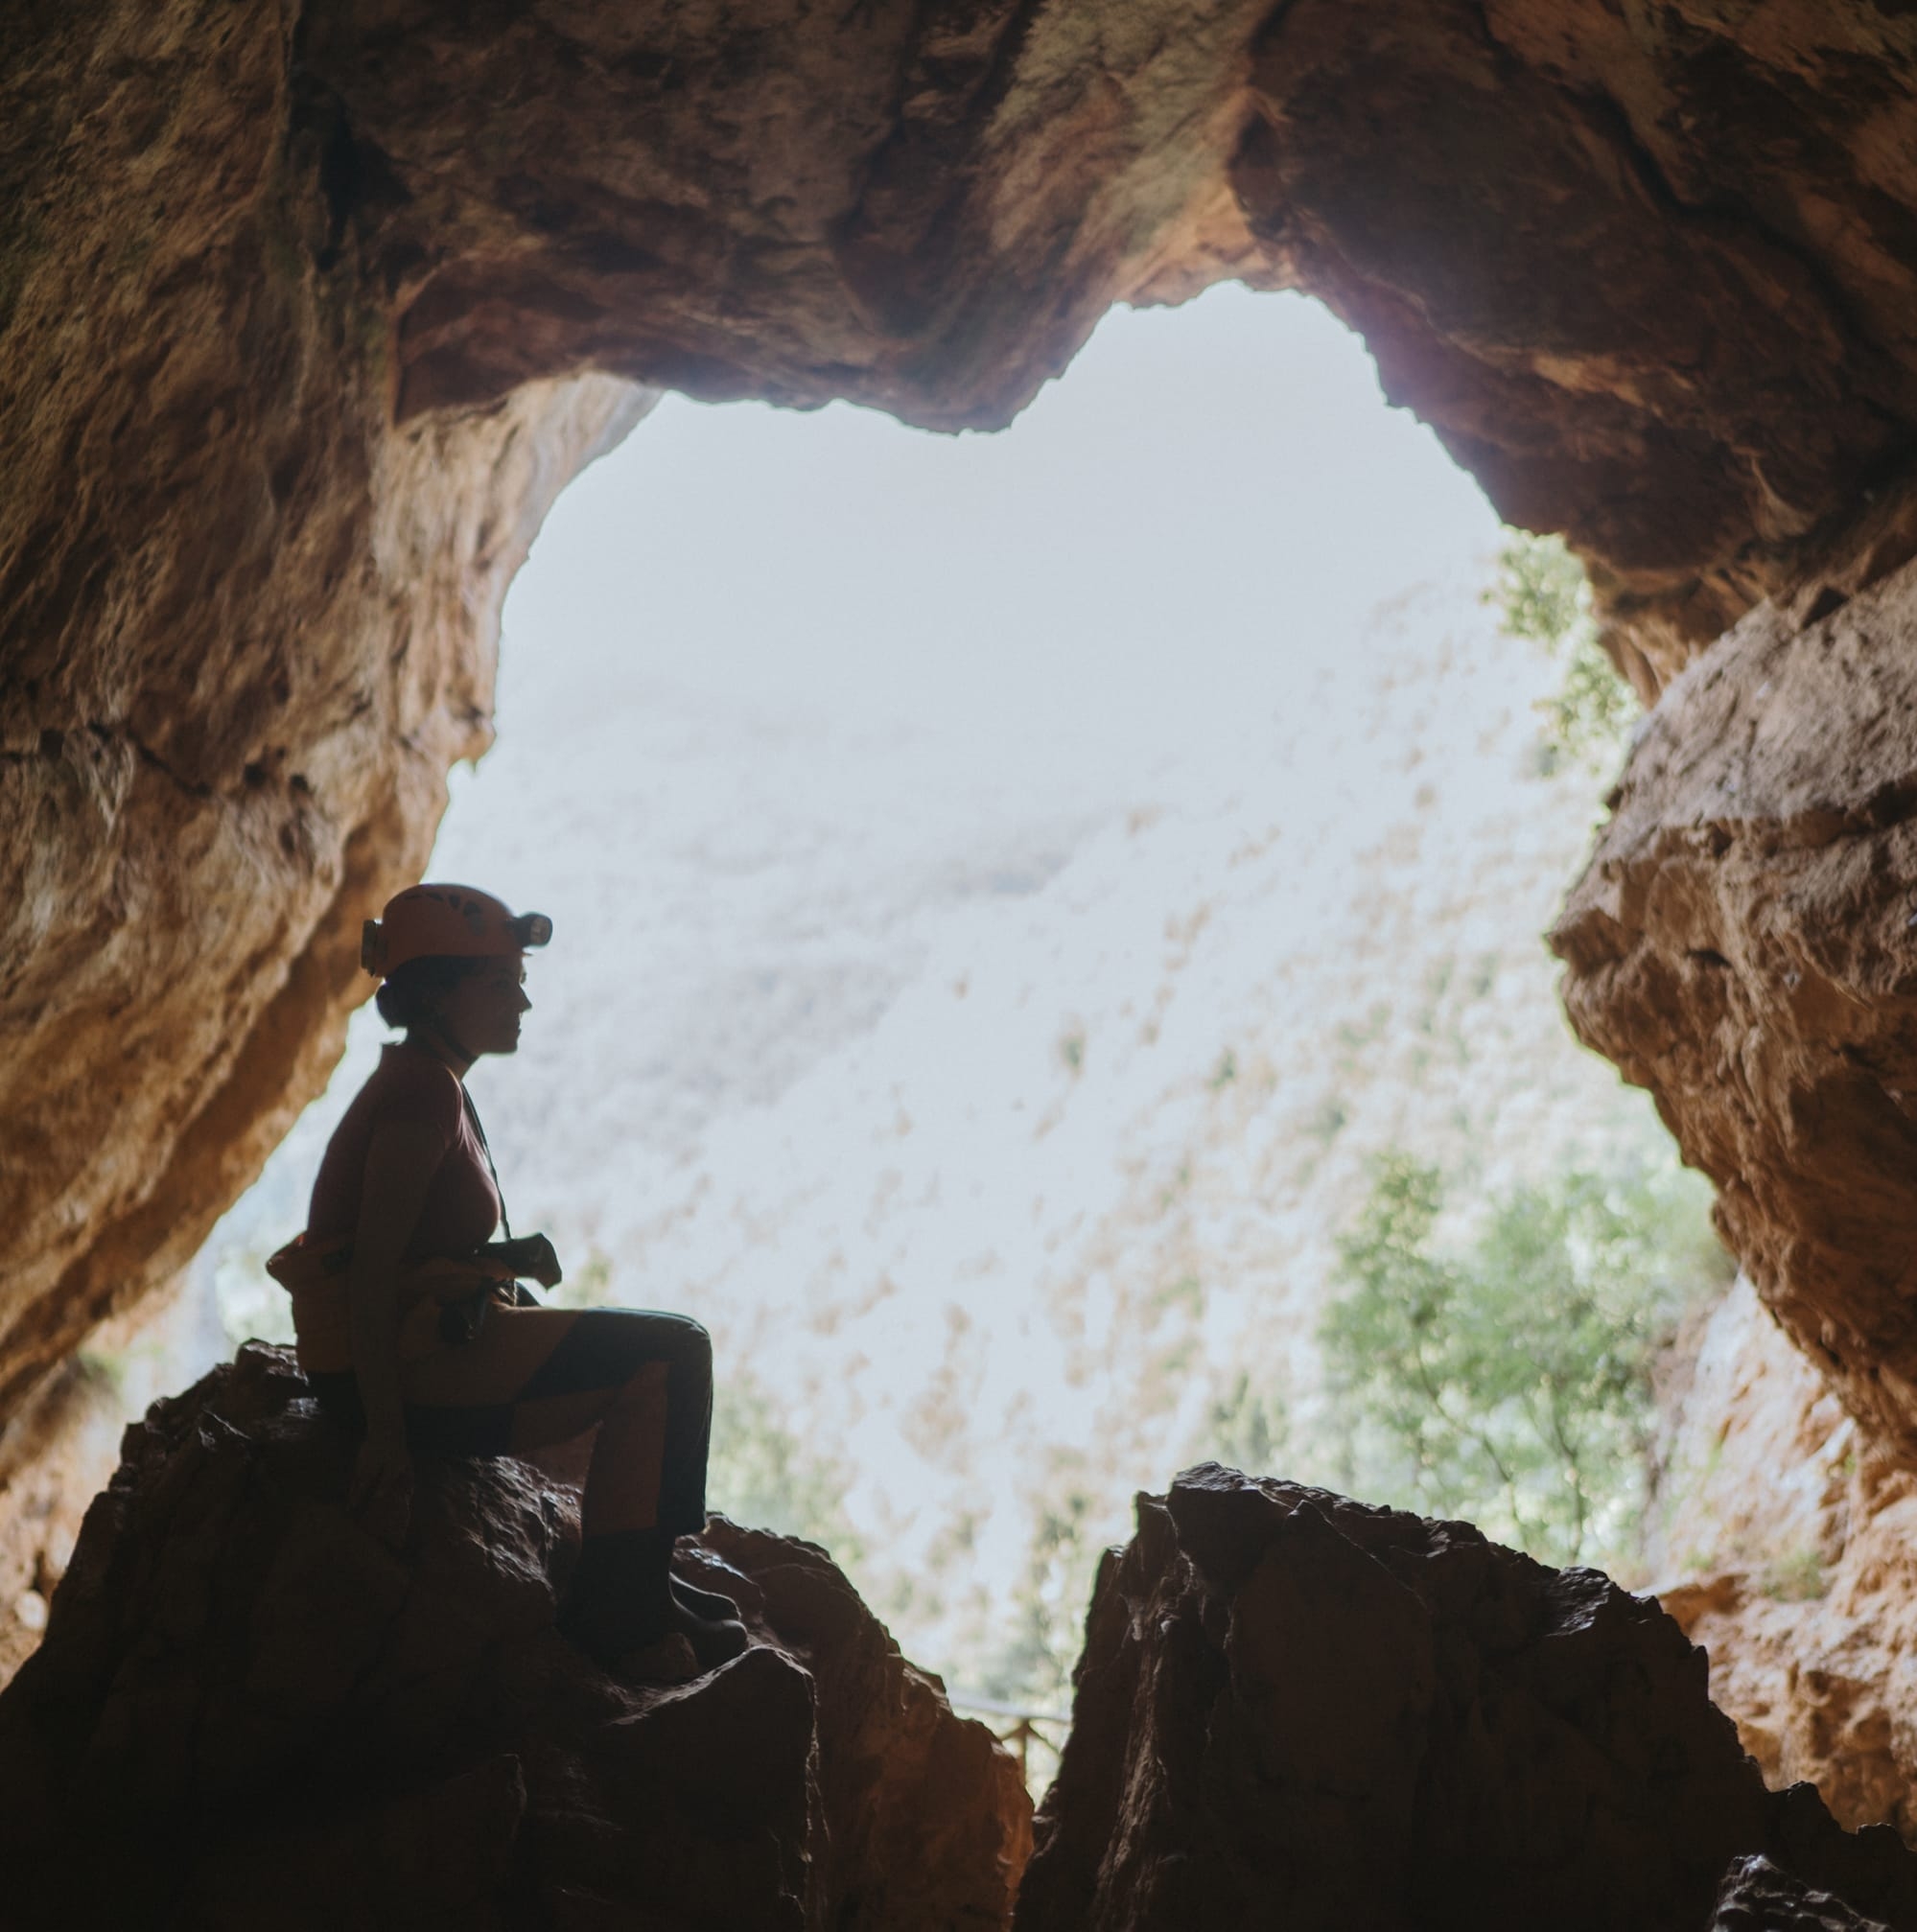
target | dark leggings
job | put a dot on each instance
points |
(537, 1376)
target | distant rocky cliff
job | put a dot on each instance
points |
(1786, 1548)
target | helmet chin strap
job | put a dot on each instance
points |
(446, 1037)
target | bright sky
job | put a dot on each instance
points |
(773, 683)
(805, 719)
(1211, 499)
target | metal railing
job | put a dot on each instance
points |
(1014, 1725)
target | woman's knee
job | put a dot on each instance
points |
(688, 1346)
(638, 1336)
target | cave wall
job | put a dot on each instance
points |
(308, 311)
(1783, 1546)
(1647, 269)
(1744, 944)
(248, 625)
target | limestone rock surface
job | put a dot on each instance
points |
(1386, 1722)
(307, 313)
(248, 1713)
(1744, 944)
(1786, 1548)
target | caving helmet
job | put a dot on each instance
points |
(436, 921)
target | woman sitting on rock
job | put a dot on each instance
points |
(411, 1327)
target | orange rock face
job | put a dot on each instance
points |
(1788, 1551)
(272, 1720)
(305, 321)
(246, 626)
(1743, 945)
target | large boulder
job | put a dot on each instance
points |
(1293, 1709)
(250, 1714)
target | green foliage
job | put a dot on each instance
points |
(1032, 1667)
(760, 1473)
(1511, 1384)
(102, 1371)
(1798, 1577)
(1543, 595)
(1245, 1429)
(1183, 1294)
(1029, 1666)
(252, 1306)
(1541, 590)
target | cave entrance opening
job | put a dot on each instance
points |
(1009, 891)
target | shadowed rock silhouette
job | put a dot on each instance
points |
(1391, 1723)
(1756, 1897)
(268, 1719)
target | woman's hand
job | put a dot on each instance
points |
(380, 1494)
(528, 1255)
(542, 1263)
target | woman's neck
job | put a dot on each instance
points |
(429, 1040)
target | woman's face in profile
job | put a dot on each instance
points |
(482, 1010)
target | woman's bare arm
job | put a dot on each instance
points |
(400, 1165)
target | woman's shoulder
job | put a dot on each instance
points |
(408, 1084)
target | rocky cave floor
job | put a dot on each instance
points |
(1291, 1709)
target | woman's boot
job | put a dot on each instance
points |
(623, 1601)
(706, 1603)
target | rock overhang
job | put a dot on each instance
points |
(308, 317)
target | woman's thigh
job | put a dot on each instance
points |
(534, 1375)
(511, 1346)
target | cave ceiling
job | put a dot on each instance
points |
(309, 312)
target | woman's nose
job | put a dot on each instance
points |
(525, 1002)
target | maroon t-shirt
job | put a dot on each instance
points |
(461, 1206)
